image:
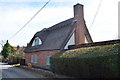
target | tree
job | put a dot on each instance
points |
(7, 50)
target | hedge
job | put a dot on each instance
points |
(92, 62)
(14, 60)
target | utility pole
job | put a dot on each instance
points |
(2, 42)
(118, 36)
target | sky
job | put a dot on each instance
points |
(15, 13)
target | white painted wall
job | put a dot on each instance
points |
(70, 42)
(86, 41)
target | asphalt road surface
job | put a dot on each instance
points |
(9, 71)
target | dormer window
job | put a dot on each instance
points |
(36, 42)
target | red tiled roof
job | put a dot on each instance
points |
(17, 48)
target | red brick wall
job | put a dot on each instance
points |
(41, 57)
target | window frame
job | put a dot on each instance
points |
(35, 43)
(34, 59)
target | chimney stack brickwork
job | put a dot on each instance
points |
(80, 26)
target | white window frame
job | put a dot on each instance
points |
(36, 44)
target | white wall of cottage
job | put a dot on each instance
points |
(70, 42)
(86, 41)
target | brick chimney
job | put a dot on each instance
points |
(80, 26)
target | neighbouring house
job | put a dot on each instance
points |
(16, 55)
(57, 38)
(17, 49)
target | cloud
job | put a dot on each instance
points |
(105, 26)
(13, 19)
(36, 0)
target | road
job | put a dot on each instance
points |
(9, 71)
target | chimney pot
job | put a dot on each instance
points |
(78, 10)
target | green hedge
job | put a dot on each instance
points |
(14, 61)
(92, 62)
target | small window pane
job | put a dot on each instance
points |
(35, 59)
(36, 41)
(31, 58)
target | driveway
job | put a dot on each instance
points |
(9, 71)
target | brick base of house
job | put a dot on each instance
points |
(41, 56)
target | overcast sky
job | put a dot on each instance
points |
(15, 13)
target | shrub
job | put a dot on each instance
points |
(92, 62)
(13, 60)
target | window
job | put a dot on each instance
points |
(34, 59)
(37, 41)
(48, 60)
